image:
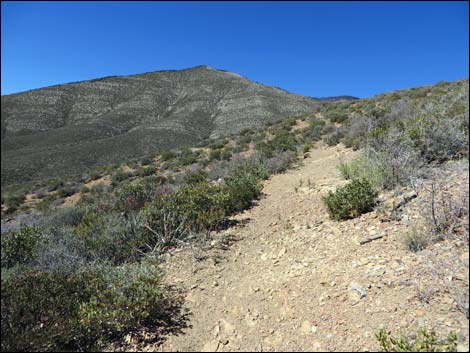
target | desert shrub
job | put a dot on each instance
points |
(119, 176)
(371, 169)
(165, 225)
(245, 139)
(54, 184)
(246, 132)
(255, 166)
(19, 247)
(66, 191)
(52, 310)
(334, 138)
(445, 215)
(351, 200)
(437, 138)
(306, 147)
(284, 142)
(147, 171)
(424, 341)
(167, 155)
(45, 204)
(195, 177)
(187, 157)
(351, 142)
(336, 115)
(132, 197)
(111, 236)
(218, 144)
(416, 239)
(70, 216)
(14, 201)
(241, 189)
(146, 160)
(94, 174)
(265, 149)
(386, 168)
(226, 154)
(201, 205)
(215, 154)
(279, 162)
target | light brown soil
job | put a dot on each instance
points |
(287, 277)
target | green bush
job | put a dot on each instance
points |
(195, 177)
(306, 147)
(187, 157)
(201, 205)
(112, 237)
(218, 144)
(132, 197)
(423, 342)
(51, 310)
(351, 200)
(265, 149)
(14, 201)
(214, 154)
(167, 155)
(284, 142)
(226, 154)
(241, 189)
(166, 224)
(66, 191)
(254, 167)
(336, 116)
(146, 160)
(19, 247)
(147, 171)
(371, 169)
(54, 184)
(94, 174)
(334, 138)
(119, 176)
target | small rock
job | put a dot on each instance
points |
(224, 341)
(216, 330)
(307, 328)
(362, 292)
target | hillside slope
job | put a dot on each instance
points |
(284, 279)
(65, 129)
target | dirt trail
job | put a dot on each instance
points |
(293, 280)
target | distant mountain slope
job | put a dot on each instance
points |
(67, 128)
(338, 98)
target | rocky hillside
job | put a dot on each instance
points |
(67, 128)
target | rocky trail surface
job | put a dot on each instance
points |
(287, 278)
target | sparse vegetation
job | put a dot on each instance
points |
(424, 341)
(97, 254)
(351, 200)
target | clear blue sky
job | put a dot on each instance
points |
(311, 48)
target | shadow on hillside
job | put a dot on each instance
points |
(229, 223)
(173, 319)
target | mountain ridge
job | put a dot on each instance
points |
(108, 120)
